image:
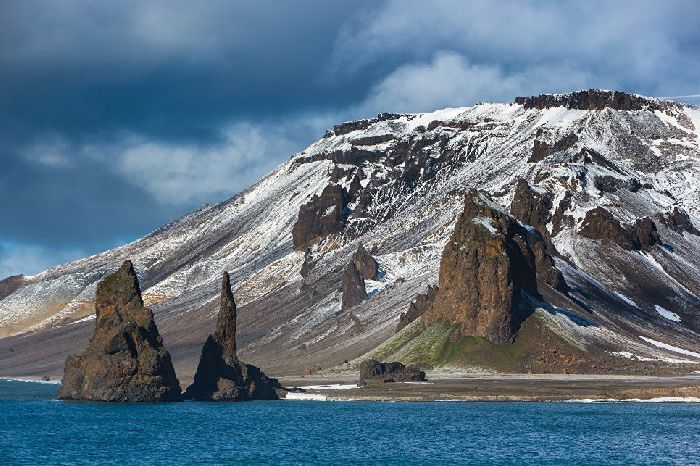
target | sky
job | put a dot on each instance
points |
(118, 117)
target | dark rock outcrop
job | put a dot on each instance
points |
(678, 220)
(373, 371)
(543, 149)
(322, 216)
(599, 224)
(125, 359)
(417, 308)
(366, 264)
(10, 284)
(353, 287)
(220, 375)
(591, 99)
(488, 273)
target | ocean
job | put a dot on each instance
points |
(37, 428)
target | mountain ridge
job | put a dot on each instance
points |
(404, 178)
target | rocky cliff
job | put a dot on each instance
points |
(488, 273)
(220, 375)
(125, 359)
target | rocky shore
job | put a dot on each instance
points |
(505, 387)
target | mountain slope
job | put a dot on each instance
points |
(599, 162)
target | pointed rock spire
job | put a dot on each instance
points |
(225, 334)
(125, 359)
(220, 375)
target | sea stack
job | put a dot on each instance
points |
(220, 375)
(125, 359)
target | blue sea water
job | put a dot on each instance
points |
(36, 428)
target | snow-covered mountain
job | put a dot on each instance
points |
(395, 184)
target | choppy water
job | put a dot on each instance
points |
(34, 428)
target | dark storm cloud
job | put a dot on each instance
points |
(116, 117)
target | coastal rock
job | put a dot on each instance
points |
(488, 273)
(373, 371)
(322, 216)
(125, 359)
(220, 375)
(353, 287)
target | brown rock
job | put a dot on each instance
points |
(601, 225)
(592, 99)
(220, 375)
(322, 216)
(677, 220)
(542, 149)
(488, 273)
(10, 284)
(373, 371)
(417, 308)
(365, 264)
(353, 287)
(125, 359)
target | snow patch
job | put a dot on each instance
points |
(667, 314)
(668, 347)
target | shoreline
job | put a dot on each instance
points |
(505, 387)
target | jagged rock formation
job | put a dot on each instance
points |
(353, 287)
(373, 371)
(599, 224)
(591, 99)
(679, 221)
(322, 216)
(220, 375)
(417, 307)
(125, 359)
(365, 264)
(10, 284)
(488, 272)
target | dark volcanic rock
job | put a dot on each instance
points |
(125, 359)
(373, 371)
(10, 284)
(353, 287)
(220, 375)
(592, 99)
(365, 264)
(488, 273)
(542, 149)
(322, 216)
(417, 308)
(677, 220)
(601, 225)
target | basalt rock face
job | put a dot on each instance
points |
(532, 208)
(353, 287)
(679, 221)
(592, 99)
(417, 308)
(373, 371)
(220, 375)
(10, 284)
(488, 273)
(322, 216)
(366, 264)
(125, 359)
(601, 225)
